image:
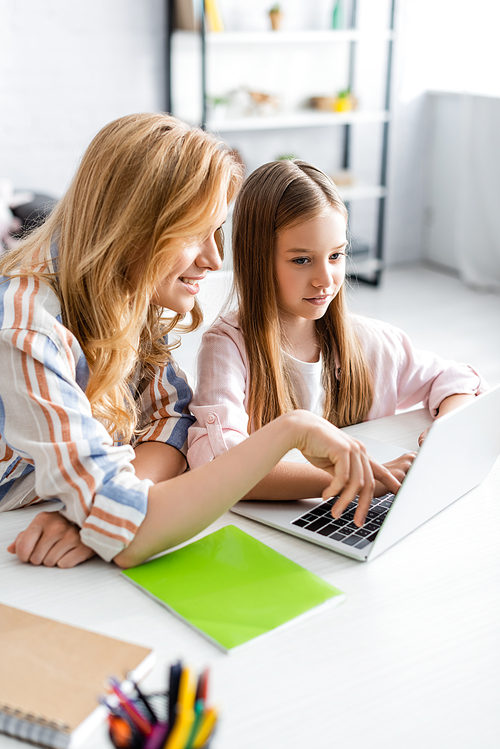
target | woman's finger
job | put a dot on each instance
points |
(75, 556)
(355, 483)
(366, 493)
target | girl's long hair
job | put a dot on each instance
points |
(275, 197)
(145, 180)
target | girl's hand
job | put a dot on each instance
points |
(51, 540)
(448, 404)
(399, 468)
(353, 472)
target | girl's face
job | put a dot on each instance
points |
(177, 291)
(310, 266)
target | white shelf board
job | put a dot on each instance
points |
(360, 191)
(328, 36)
(296, 120)
(296, 37)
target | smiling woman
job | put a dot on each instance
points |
(94, 411)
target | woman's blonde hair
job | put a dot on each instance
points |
(145, 180)
(275, 197)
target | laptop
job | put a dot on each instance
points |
(457, 454)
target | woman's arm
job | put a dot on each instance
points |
(158, 461)
(53, 541)
(182, 507)
(300, 481)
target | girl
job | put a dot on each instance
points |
(93, 409)
(292, 343)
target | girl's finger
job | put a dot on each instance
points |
(26, 542)
(48, 539)
(75, 556)
(382, 474)
(57, 551)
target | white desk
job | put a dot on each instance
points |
(410, 661)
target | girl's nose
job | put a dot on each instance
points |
(322, 278)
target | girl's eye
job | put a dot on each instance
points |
(300, 260)
(337, 255)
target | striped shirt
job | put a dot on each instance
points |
(51, 446)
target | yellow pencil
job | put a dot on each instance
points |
(179, 734)
(206, 728)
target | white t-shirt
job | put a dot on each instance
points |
(307, 385)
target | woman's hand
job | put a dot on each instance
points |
(51, 540)
(353, 471)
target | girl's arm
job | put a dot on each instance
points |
(404, 376)
(447, 405)
(219, 405)
(182, 507)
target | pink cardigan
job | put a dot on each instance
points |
(402, 377)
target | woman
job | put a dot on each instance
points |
(94, 410)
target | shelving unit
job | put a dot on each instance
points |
(367, 257)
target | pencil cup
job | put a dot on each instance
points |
(125, 734)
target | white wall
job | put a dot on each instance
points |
(66, 69)
(442, 45)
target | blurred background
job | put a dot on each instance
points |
(403, 110)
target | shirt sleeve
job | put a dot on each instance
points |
(404, 376)
(219, 403)
(164, 408)
(46, 419)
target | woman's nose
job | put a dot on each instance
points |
(209, 256)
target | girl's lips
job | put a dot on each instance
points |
(318, 301)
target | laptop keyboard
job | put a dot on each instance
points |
(319, 520)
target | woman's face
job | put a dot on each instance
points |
(178, 289)
(310, 266)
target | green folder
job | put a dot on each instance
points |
(231, 587)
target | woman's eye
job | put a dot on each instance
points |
(300, 260)
(337, 255)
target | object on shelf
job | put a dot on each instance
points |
(276, 16)
(344, 101)
(218, 106)
(344, 178)
(338, 15)
(263, 104)
(286, 157)
(323, 103)
(245, 103)
(213, 17)
(186, 15)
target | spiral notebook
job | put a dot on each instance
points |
(51, 675)
(232, 588)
